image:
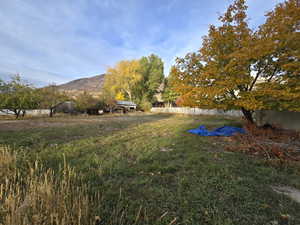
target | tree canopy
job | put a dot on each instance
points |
(123, 78)
(51, 97)
(135, 80)
(86, 101)
(17, 96)
(152, 71)
(240, 68)
(169, 94)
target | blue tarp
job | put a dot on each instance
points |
(221, 131)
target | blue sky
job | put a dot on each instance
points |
(60, 40)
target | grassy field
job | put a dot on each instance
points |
(148, 170)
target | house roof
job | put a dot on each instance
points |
(126, 103)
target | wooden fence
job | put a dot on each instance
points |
(197, 111)
(284, 119)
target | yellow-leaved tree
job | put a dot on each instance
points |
(120, 96)
(122, 79)
(238, 68)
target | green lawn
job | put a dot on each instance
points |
(149, 170)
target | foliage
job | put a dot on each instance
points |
(120, 96)
(109, 101)
(51, 97)
(123, 78)
(240, 68)
(169, 93)
(135, 80)
(145, 104)
(85, 101)
(152, 71)
(279, 57)
(18, 96)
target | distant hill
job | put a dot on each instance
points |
(93, 85)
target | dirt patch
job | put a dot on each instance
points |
(166, 149)
(293, 193)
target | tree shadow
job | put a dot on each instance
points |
(43, 136)
(154, 170)
(184, 176)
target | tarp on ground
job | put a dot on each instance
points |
(221, 131)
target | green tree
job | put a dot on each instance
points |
(51, 97)
(18, 96)
(237, 68)
(169, 94)
(152, 71)
(109, 101)
(135, 80)
(86, 101)
(123, 78)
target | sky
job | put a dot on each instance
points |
(60, 40)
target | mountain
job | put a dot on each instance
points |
(93, 85)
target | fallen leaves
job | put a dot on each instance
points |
(268, 142)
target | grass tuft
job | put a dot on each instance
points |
(39, 196)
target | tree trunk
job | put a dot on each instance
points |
(129, 94)
(23, 113)
(248, 115)
(51, 112)
(17, 113)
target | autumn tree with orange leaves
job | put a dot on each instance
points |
(240, 68)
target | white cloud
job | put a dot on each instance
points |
(35, 76)
(74, 38)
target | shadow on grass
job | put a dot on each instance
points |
(183, 179)
(151, 171)
(40, 137)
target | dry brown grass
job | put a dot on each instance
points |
(11, 124)
(38, 196)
